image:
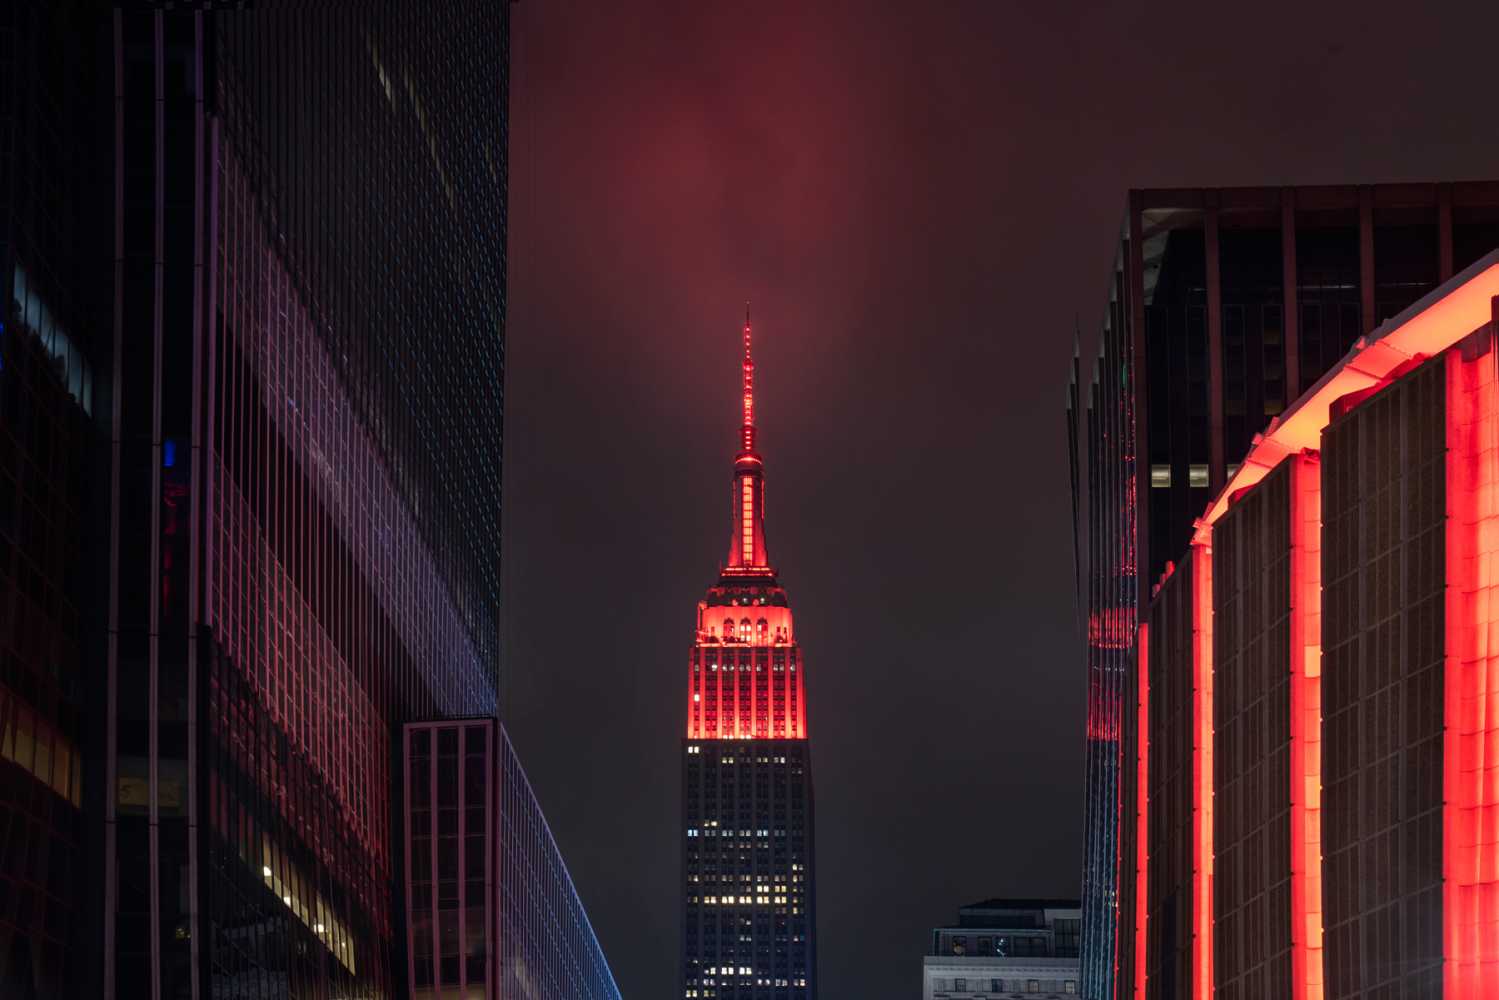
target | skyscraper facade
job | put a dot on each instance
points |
(53, 400)
(251, 371)
(1224, 305)
(748, 913)
(1310, 776)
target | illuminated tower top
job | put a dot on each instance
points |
(747, 555)
(746, 678)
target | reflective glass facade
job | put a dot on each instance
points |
(1109, 579)
(489, 909)
(53, 326)
(1224, 306)
(251, 371)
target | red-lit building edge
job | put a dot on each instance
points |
(1454, 327)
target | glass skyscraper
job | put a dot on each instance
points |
(490, 909)
(251, 369)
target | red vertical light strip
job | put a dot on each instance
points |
(462, 872)
(406, 848)
(1306, 727)
(747, 520)
(1142, 803)
(1470, 772)
(1202, 772)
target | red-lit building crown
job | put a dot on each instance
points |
(746, 671)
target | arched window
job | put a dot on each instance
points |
(760, 628)
(744, 630)
(728, 630)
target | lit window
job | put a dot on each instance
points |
(1197, 474)
(68, 361)
(1070, 986)
(1033, 986)
(1160, 477)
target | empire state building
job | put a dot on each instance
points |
(748, 928)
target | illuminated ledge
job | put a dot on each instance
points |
(1435, 322)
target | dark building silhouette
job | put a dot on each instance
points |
(55, 397)
(749, 928)
(251, 364)
(1224, 306)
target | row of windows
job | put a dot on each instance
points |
(1197, 475)
(980, 987)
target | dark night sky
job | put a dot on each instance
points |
(919, 198)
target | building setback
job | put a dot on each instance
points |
(1225, 305)
(1312, 777)
(251, 363)
(748, 907)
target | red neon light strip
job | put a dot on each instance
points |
(1142, 810)
(1470, 771)
(747, 520)
(1306, 727)
(1202, 772)
(1471, 741)
(1426, 333)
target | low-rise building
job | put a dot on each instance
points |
(1005, 948)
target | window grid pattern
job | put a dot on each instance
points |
(1252, 932)
(748, 891)
(1383, 641)
(322, 586)
(491, 912)
(297, 903)
(283, 490)
(547, 947)
(412, 106)
(48, 212)
(1196, 346)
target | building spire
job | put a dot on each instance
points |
(747, 549)
(747, 430)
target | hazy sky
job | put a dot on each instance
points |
(921, 199)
